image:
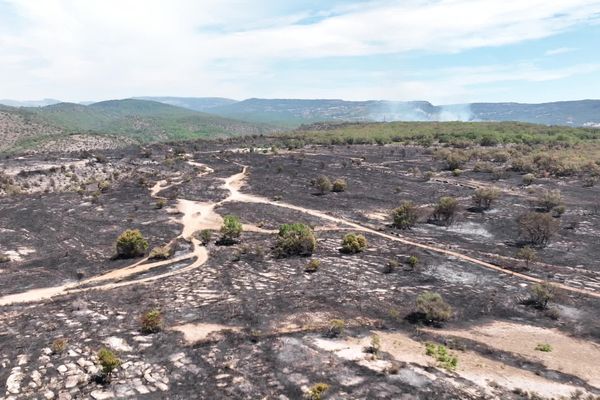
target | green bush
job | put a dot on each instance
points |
(323, 184)
(131, 243)
(205, 236)
(445, 210)
(160, 203)
(528, 179)
(108, 361)
(433, 307)
(405, 216)
(339, 185)
(413, 262)
(161, 252)
(151, 321)
(4, 258)
(354, 243)
(295, 239)
(231, 229)
(527, 254)
(58, 345)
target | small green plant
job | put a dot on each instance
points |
(130, 244)
(58, 345)
(549, 199)
(339, 185)
(323, 184)
(312, 266)
(375, 345)
(231, 229)
(433, 307)
(390, 266)
(4, 258)
(413, 262)
(405, 216)
(545, 347)
(354, 243)
(440, 353)
(456, 172)
(160, 203)
(316, 391)
(295, 239)
(151, 321)
(108, 361)
(541, 294)
(336, 328)
(527, 254)
(205, 236)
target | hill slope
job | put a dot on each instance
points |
(138, 120)
(204, 104)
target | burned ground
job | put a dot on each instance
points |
(245, 323)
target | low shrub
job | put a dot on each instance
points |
(540, 295)
(433, 307)
(295, 240)
(312, 266)
(161, 252)
(316, 391)
(231, 230)
(354, 243)
(405, 216)
(130, 244)
(58, 345)
(527, 254)
(160, 203)
(4, 258)
(205, 236)
(548, 200)
(483, 198)
(413, 262)
(545, 347)
(445, 210)
(375, 345)
(445, 359)
(336, 328)
(108, 361)
(339, 185)
(528, 179)
(323, 184)
(151, 321)
(537, 228)
(390, 266)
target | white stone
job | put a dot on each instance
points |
(118, 344)
(102, 395)
(13, 383)
(161, 386)
(49, 394)
(62, 369)
(71, 381)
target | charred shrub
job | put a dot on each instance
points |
(549, 200)
(540, 295)
(336, 328)
(537, 228)
(295, 240)
(445, 211)
(483, 198)
(131, 244)
(323, 184)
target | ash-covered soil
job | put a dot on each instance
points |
(242, 323)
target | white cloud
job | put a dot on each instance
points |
(559, 50)
(113, 48)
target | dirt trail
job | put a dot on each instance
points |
(235, 182)
(195, 216)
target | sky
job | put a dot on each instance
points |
(443, 51)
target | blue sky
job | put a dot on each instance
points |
(443, 51)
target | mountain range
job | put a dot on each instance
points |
(290, 113)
